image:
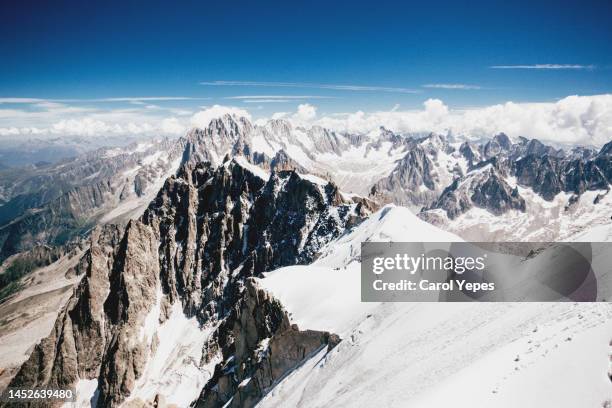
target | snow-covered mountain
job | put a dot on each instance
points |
(234, 279)
(55, 203)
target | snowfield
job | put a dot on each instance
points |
(326, 294)
(531, 355)
(435, 354)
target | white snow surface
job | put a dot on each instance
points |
(326, 294)
(502, 355)
(256, 170)
(175, 370)
(86, 394)
(438, 355)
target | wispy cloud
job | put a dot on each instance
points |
(544, 66)
(140, 99)
(452, 86)
(336, 87)
(279, 97)
(23, 100)
(267, 100)
(134, 100)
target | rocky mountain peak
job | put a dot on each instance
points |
(483, 187)
(606, 149)
(499, 144)
(503, 141)
(191, 254)
(280, 127)
(470, 152)
(535, 147)
(435, 143)
(413, 181)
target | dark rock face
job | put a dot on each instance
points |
(549, 176)
(541, 174)
(495, 195)
(498, 145)
(484, 189)
(282, 162)
(79, 328)
(470, 152)
(547, 171)
(207, 232)
(454, 204)
(421, 179)
(57, 222)
(259, 347)
(537, 148)
(606, 150)
(580, 152)
(404, 185)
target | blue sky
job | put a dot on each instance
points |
(128, 48)
(340, 56)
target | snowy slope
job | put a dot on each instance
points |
(326, 294)
(354, 166)
(28, 316)
(531, 355)
(435, 354)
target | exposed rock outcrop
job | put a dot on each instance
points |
(209, 230)
(259, 347)
(484, 188)
(412, 182)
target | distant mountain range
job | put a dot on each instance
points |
(52, 204)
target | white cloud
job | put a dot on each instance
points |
(172, 126)
(310, 85)
(131, 99)
(280, 115)
(265, 100)
(181, 112)
(203, 118)
(544, 66)
(571, 120)
(452, 86)
(279, 97)
(21, 100)
(305, 113)
(53, 118)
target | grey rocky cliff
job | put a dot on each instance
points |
(412, 182)
(419, 177)
(282, 161)
(485, 188)
(209, 230)
(259, 346)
